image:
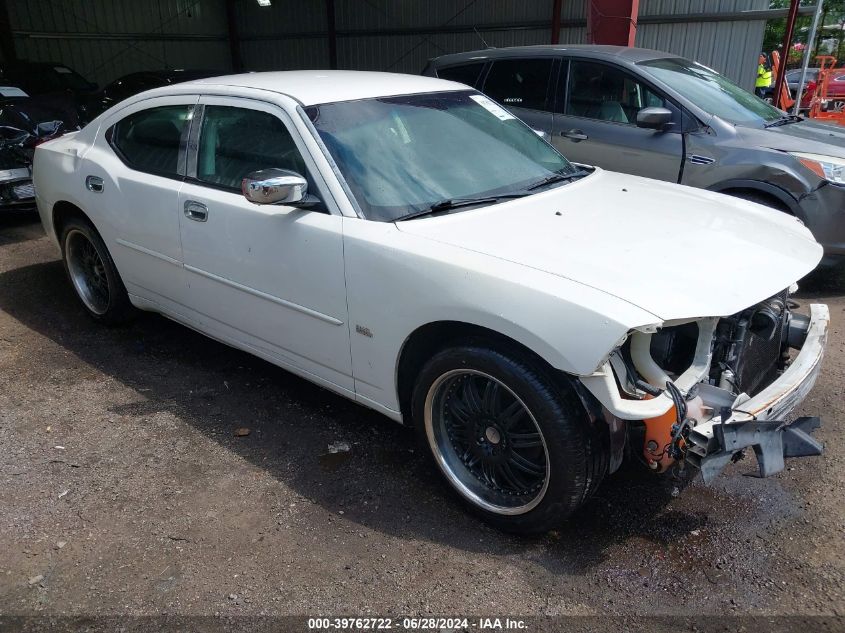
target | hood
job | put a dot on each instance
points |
(671, 250)
(806, 136)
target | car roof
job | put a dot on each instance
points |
(183, 74)
(312, 87)
(623, 53)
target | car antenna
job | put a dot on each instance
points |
(481, 37)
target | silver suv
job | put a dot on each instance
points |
(661, 116)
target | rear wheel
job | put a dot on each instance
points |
(92, 273)
(516, 445)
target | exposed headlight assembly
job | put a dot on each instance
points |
(827, 167)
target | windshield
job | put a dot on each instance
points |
(401, 155)
(711, 92)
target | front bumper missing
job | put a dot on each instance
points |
(758, 422)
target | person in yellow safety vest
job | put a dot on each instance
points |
(764, 78)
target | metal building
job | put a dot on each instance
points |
(104, 39)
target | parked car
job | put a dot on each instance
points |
(50, 84)
(658, 115)
(835, 97)
(16, 190)
(411, 245)
(23, 124)
(793, 78)
(133, 83)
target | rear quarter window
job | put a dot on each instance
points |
(466, 73)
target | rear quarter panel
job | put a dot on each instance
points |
(55, 172)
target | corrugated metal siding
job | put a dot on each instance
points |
(282, 17)
(574, 10)
(388, 14)
(730, 47)
(678, 7)
(285, 54)
(573, 35)
(374, 34)
(410, 53)
(118, 16)
(104, 39)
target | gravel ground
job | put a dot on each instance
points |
(126, 490)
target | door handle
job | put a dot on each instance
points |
(576, 136)
(94, 183)
(196, 211)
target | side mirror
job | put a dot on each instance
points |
(274, 186)
(654, 118)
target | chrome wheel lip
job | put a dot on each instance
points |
(444, 465)
(75, 242)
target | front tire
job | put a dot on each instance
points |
(514, 442)
(93, 275)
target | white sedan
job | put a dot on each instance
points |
(409, 244)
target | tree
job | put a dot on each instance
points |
(833, 15)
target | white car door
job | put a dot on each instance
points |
(270, 277)
(132, 175)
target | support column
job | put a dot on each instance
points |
(234, 41)
(558, 4)
(784, 51)
(612, 21)
(332, 34)
(7, 43)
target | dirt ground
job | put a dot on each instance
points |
(125, 491)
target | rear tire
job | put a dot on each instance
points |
(514, 442)
(93, 275)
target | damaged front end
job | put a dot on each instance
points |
(706, 389)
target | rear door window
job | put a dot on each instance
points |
(149, 140)
(520, 83)
(466, 74)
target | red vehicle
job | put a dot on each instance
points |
(834, 100)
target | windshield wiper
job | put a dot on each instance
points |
(548, 180)
(785, 120)
(456, 203)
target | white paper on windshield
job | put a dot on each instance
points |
(62, 69)
(12, 91)
(491, 107)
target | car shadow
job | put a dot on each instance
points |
(823, 281)
(19, 226)
(383, 482)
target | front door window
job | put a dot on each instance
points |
(602, 92)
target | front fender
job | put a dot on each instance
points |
(398, 282)
(781, 195)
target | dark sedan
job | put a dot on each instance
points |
(51, 85)
(133, 83)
